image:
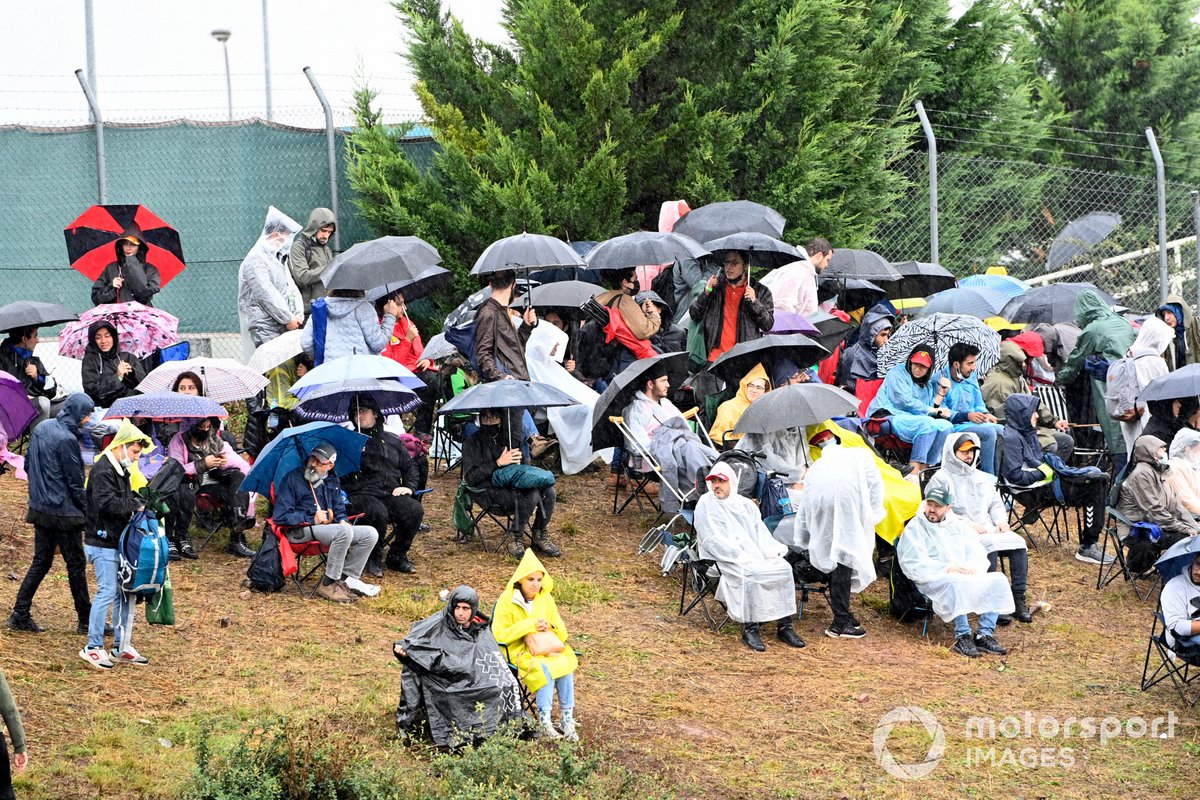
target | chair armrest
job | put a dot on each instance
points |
(691, 413)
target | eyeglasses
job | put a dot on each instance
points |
(760, 387)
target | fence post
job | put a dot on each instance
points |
(933, 182)
(99, 121)
(1196, 230)
(1160, 178)
(330, 143)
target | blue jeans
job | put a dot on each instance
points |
(987, 624)
(108, 595)
(987, 433)
(566, 692)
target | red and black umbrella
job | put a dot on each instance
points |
(91, 238)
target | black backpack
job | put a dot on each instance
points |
(265, 573)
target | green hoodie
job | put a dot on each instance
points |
(308, 258)
(1104, 334)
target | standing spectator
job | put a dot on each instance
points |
(129, 277)
(16, 732)
(268, 301)
(405, 348)
(1150, 354)
(642, 323)
(108, 374)
(57, 510)
(1178, 315)
(819, 253)
(732, 308)
(794, 287)
(500, 347)
(310, 255)
(18, 360)
(345, 324)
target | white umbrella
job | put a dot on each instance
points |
(225, 379)
(273, 353)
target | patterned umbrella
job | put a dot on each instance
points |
(16, 412)
(166, 405)
(224, 379)
(331, 402)
(91, 238)
(140, 329)
(940, 331)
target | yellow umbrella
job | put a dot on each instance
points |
(907, 304)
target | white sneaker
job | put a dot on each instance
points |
(548, 729)
(130, 656)
(96, 658)
(359, 587)
(569, 731)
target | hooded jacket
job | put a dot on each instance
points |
(268, 298)
(1147, 496)
(1023, 457)
(1184, 474)
(1186, 348)
(514, 619)
(351, 328)
(55, 467)
(861, 360)
(1104, 334)
(754, 319)
(1008, 378)
(669, 338)
(481, 449)
(141, 280)
(99, 371)
(973, 491)
(1163, 423)
(729, 412)
(111, 500)
(386, 464)
(14, 360)
(309, 258)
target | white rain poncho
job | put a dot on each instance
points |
(267, 296)
(976, 498)
(1184, 474)
(837, 512)
(572, 424)
(927, 549)
(1153, 338)
(756, 582)
(793, 287)
(785, 452)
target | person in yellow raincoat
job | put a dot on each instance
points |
(526, 607)
(753, 386)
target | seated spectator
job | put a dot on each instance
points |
(188, 382)
(752, 386)
(1184, 472)
(965, 401)
(1147, 496)
(405, 348)
(1024, 466)
(915, 403)
(128, 277)
(838, 509)
(525, 612)
(978, 502)
(943, 556)
(383, 488)
(861, 360)
(493, 462)
(1008, 378)
(756, 584)
(1181, 612)
(732, 308)
(109, 374)
(455, 680)
(669, 338)
(309, 503)
(784, 372)
(346, 324)
(212, 466)
(18, 360)
(1168, 417)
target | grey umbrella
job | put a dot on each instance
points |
(863, 264)
(402, 262)
(765, 251)
(734, 216)
(438, 348)
(735, 362)
(793, 406)
(524, 252)
(1079, 236)
(624, 385)
(510, 395)
(1183, 382)
(921, 279)
(24, 313)
(564, 297)
(643, 247)
(1050, 304)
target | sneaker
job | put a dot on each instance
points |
(988, 644)
(1004, 619)
(130, 656)
(361, 588)
(96, 657)
(852, 631)
(335, 592)
(965, 645)
(173, 552)
(401, 564)
(1092, 555)
(24, 622)
(570, 730)
(187, 551)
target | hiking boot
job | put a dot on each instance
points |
(751, 637)
(651, 488)
(96, 657)
(787, 634)
(541, 543)
(1021, 613)
(402, 564)
(516, 545)
(130, 656)
(237, 546)
(851, 631)
(360, 588)
(539, 445)
(335, 592)
(374, 568)
(173, 553)
(616, 479)
(186, 550)
(1004, 619)
(24, 622)
(1092, 555)
(965, 645)
(988, 644)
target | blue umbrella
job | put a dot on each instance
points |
(290, 449)
(1011, 286)
(1177, 558)
(331, 402)
(356, 367)
(974, 301)
(166, 405)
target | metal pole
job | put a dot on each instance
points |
(1160, 177)
(1196, 230)
(267, 60)
(99, 122)
(330, 142)
(931, 140)
(228, 81)
(89, 38)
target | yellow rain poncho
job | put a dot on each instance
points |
(512, 622)
(128, 432)
(729, 412)
(900, 497)
(280, 379)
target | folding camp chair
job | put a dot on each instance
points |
(528, 702)
(1113, 542)
(481, 510)
(698, 581)
(1056, 400)
(641, 469)
(1035, 502)
(445, 447)
(893, 449)
(1182, 671)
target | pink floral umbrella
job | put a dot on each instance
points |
(140, 329)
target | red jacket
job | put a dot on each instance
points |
(400, 349)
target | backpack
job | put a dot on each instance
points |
(265, 573)
(746, 466)
(463, 337)
(1121, 389)
(142, 556)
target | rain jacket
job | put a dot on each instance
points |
(1153, 339)
(1008, 378)
(641, 326)
(753, 319)
(110, 490)
(1106, 335)
(296, 501)
(351, 327)
(192, 457)
(909, 403)
(500, 347)
(454, 677)
(861, 360)
(783, 451)
(1147, 496)
(55, 467)
(1187, 331)
(400, 349)
(141, 280)
(13, 360)
(794, 287)
(1180, 599)
(268, 298)
(729, 412)
(1184, 474)
(1163, 423)
(99, 371)
(974, 495)
(514, 619)
(1023, 462)
(309, 258)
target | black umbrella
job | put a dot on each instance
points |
(507, 394)
(1050, 304)
(624, 386)
(921, 279)
(464, 312)
(863, 264)
(796, 405)
(851, 292)
(741, 358)
(24, 313)
(765, 251)
(564, 297)
(407, 263)
(1079, 236)
(1183, 382)
(735, 216)
(526, 251)
(831, 329)
(643, 247)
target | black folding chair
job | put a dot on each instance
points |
(1181, 670)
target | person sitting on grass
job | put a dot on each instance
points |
(943, 556)
(1181, 612)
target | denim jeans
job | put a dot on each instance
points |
(566, 692)
(108, 595)
(986, 627)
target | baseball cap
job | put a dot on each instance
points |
(939, 493)
(922, 358)
(820, 436)
(720, 471)
(325, 452)
(966, 443)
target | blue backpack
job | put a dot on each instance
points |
(142, 552)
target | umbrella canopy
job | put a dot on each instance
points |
(851, 292)
(863, 264)
(224, 379)
(526, 251)
(624, 385)
(438, 348)
(940, 331)
(741, 358)
(1183, 382)
(733, 216)
(408, 263)
(273, 353)
(1178, 557)
(166, 405)
(921, 279)
(1013, 287)
(25, 313)
(16, 411)
(464, 312)
(290, 449)
(92, 236)
(349, 368)
(974, 302)
(765, 251)
(830, 329)
(507, 394)
(1079, 236)
(564, 297)
(796, 405)
(1050, 304)
(140, 329)
(643, 247)
(331, 402)
(791, 322)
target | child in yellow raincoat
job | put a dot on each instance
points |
(526, 607)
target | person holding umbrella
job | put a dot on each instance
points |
(732, 308)
(109, 374)
(18, 360)
(129, 276)
(405, 348)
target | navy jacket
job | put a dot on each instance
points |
(294, 502)
(55, 466)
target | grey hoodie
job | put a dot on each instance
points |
(309, 258)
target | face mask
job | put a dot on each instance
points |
(125, 461)
(1163, 461)
(201, 434)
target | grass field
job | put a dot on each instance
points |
(691, 711)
